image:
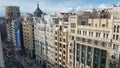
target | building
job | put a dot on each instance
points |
(40, 36)
(13, 33)
(61, 44)
(80, 18)
(40, 39)
(1, 54)
(17, 37)
(11, 13)
(28, 35)
(93, 40)
(2, 28)
(64, 16)
(38, 12)
(115, 47)
(50, 33)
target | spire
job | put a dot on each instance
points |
(37, 5)
(38, 12)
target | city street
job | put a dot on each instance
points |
(13, 63)
(17, 61)
(10, 62)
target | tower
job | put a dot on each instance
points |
(11, 13)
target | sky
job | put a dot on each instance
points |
(51, 6)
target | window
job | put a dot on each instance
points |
(114, 28)
(64, 52)
(103, 25)
(64, 40)
(104, 35)
(96, 25)
(55, 38)
(56, 59)
(117, 36)
(82, 23)
(114, 37)
(96, 42)
(118, 29)
(55, 43)
(79, 31)
(83, 40)
(90, 33)
(89, 41)
(73, 25)
(70, 56)
(60, 45)
(78, 52)
(107, 36)
(115, 47)
(63, 46)
(77, 58)
(60, 39)
(78, 46)
(70, 50)
(97, 34)
(55, 32)
(60, 27)
(84, 32)
(72, 37)
(104, 44)
(78, 38)
(72, 31)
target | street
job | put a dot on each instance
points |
(13, 63)
(17, 61)
(10, 62)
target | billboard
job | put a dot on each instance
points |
(18, 33)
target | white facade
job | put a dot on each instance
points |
(50, 27)
(44, 39)
(39, 37)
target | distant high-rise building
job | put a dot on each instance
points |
(11, 13)
(2, 28)
(1, 54)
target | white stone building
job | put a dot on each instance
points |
(39, 37)
(50, 31)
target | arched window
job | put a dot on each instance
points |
(118, 29)
(114, 28)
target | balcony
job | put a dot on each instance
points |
(94, 28)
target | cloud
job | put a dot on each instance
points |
(51, 6)
(104, 6)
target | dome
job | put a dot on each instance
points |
(38, 12)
